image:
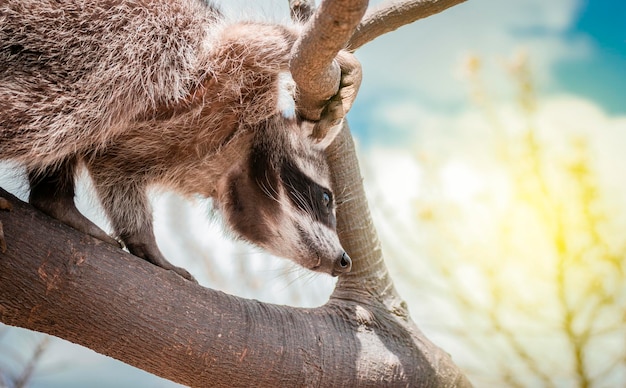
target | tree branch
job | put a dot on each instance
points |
(391, 15)
(312, 65)
(369, 277)
(55, 280)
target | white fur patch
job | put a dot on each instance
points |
(286, 95)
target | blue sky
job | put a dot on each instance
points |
(601, 77)
(575, 48)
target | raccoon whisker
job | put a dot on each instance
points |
(302, 202)
(345, 200)
(311, 199)
(267, 179)
(267, 191)
(306, 276)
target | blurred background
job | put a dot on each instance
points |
(492, 140)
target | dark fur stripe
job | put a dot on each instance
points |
(307, 195)
(262, 170)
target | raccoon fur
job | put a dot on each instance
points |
(163, 93)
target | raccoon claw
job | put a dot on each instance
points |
(180, 271)
(185, 274)
(339, 105)
(4, 205)
(151, 253)
(119, 241)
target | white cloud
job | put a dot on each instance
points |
(471, 141)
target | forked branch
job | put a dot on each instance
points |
(335, 26)
(391, 15)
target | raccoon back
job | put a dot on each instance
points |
(74, 73)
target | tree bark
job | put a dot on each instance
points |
(391, 15)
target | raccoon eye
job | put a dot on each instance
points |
(326, 199)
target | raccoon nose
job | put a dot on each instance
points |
(343, 264)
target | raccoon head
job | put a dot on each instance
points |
(280, 198)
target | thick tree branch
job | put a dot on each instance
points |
(391, 15)
(55, 280)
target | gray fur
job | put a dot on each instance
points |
(149, 92)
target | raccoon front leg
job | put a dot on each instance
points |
(4, 205)
(126, 204)
(52, 192)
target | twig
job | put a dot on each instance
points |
(29, 369)
(391, 15)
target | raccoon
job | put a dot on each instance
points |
(169, 94)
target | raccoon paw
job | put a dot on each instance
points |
(149, 251)
(184, 273)
(351, 75)
(338, 106)
(179, 270)
(4, 205)
(65, 211)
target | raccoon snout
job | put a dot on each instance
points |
(342, 265)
